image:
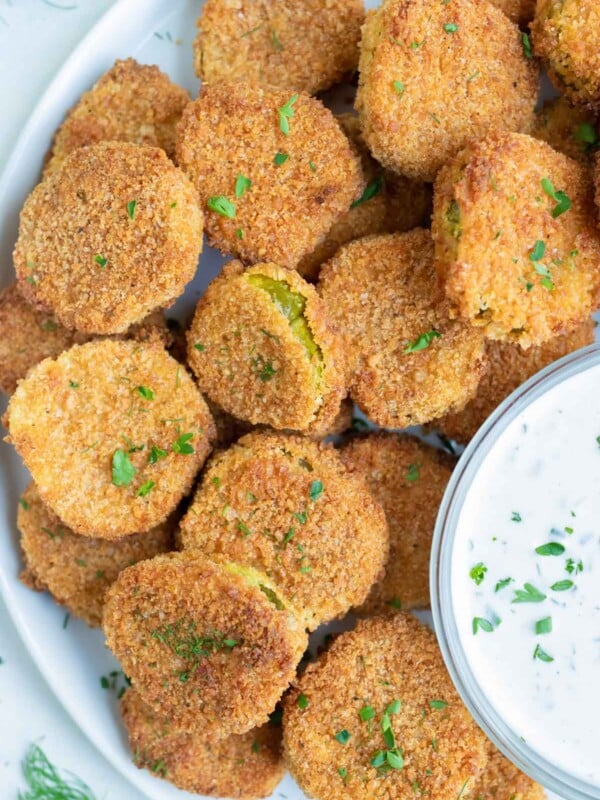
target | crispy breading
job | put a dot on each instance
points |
(517, 259)
(130, 103)
(305, 45)
(519, 11)
(112, 235)
(567, 128)
(28, 335)
(113, 433)
(210, 646)
(288, 507)
(262, 348)
(408, 478)
(409, 359)
(302, 170)
(508, 366)
(501, 780)
(566, 36)
(434, 75)
(387, 666)
(246, 767)
(390, 204)
(78, 570)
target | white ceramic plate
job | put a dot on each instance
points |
(73, 658)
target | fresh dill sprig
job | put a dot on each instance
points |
(46, 783)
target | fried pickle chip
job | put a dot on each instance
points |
(78, 570)
(273, 169)
(566, 36)
(209, 646)
(244, 766)
(130, 103)
(408, 357)
(408, 478)
(501, 780)
(306, 45)
(287, 507)
(516, 238)
(571, 130)
(109, 237)
(434, 75)
(263, 349)
(377, 715)
(113, 433)
(508, 366)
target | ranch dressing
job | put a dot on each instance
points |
(536, 649)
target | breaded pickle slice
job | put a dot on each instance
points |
(272, 168)
(570, 129)
(288, 507)
(408, 478)
(408, 357)
(113, 433)
(517, 243)
(501, 780)
(209, 646)
(508, 366)
(78, 570)
(306, 45)
(377, 715)
(263, 349)
(434, 75)
(112, 235)
(245, 766)
(130, 103)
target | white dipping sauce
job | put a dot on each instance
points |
(540, 485)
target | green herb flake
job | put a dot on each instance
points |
(315, 491)
(24, 504)
(562, 586)
(145, 488)
(373, 188)
(394, 707)
(131, 208)
(342, 772)
(550, 549)
(541, 655)
(101, 260)
(313, 166)
(516, 517)
(343, 737)
(477, 573)
(573, 567)
(145, 392)
(482, 624)
(526, 45)
(277, 46)
(450, 27)
(156, 454)
(280, 158)
(502, 584)
(543, 626)
(303, 702)
(242, 184)
(123, 470)
(586, 133)
(398, 87)
(529, 594)
(367, 713)
(413, 472)
(422, 342)
(438, 705)
(182, 445)
(199, 347)
(563, 202)
(222, 206)
(286, 112)
(538, 252)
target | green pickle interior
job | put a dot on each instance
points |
(292, 305)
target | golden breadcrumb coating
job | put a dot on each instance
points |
(262, 348)
(501, 780)
(569, 129)
(408, 478)
(112, 235)
(287, 507)
(409, 359)
(434, 75)
(519, 11)
(130, 103)
(508, 366)
(305, 45)
(392, 671)
(28, 335)
(274, 164)
(113, 433)
(247, 766)
(389, 204)
(208, 646)
(78, 570)
(566, 36)
(516, 238)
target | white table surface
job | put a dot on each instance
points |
(35, 39)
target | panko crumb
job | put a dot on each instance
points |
(130, 103)
(273, 169)
(501, 780)
(305, 45)
(244, 767)
(78, 570)
(113, 433)
(408, 478)
(390, 666)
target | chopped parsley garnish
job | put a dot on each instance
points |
(131, 208)
(538, 252)
(422, 342)
(264, 370)
(516, 517)
(526, 44)
(502, 584)
(280, 158)
(342, 772)
(239, 233)
(145, 488)
(543, 626)
(372, 189)
(286, 112)
(550, 549)
(343, 737)
(480, 623)
(563, 202)
(275, 41)
(572, 567)
(541, 655)
(367, 713)
(156, 454)
(44, 781)
(242, 184)
(586, 133)
(123, 470)
(66, 621)
(145, 392)
(315, 491)
(398, 87)
(222, 206)
(101, 260)
(183, 641)
(450, 27)
(303, 702)
(529, 594)
(395, 602)
(413, 472)
(477, 573)
(73, 384)
(438, 705)
(182, 445)
(24, 504)
(199, 347)
(313, 166)
(562, 586)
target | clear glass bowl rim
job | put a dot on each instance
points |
(519, 752)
